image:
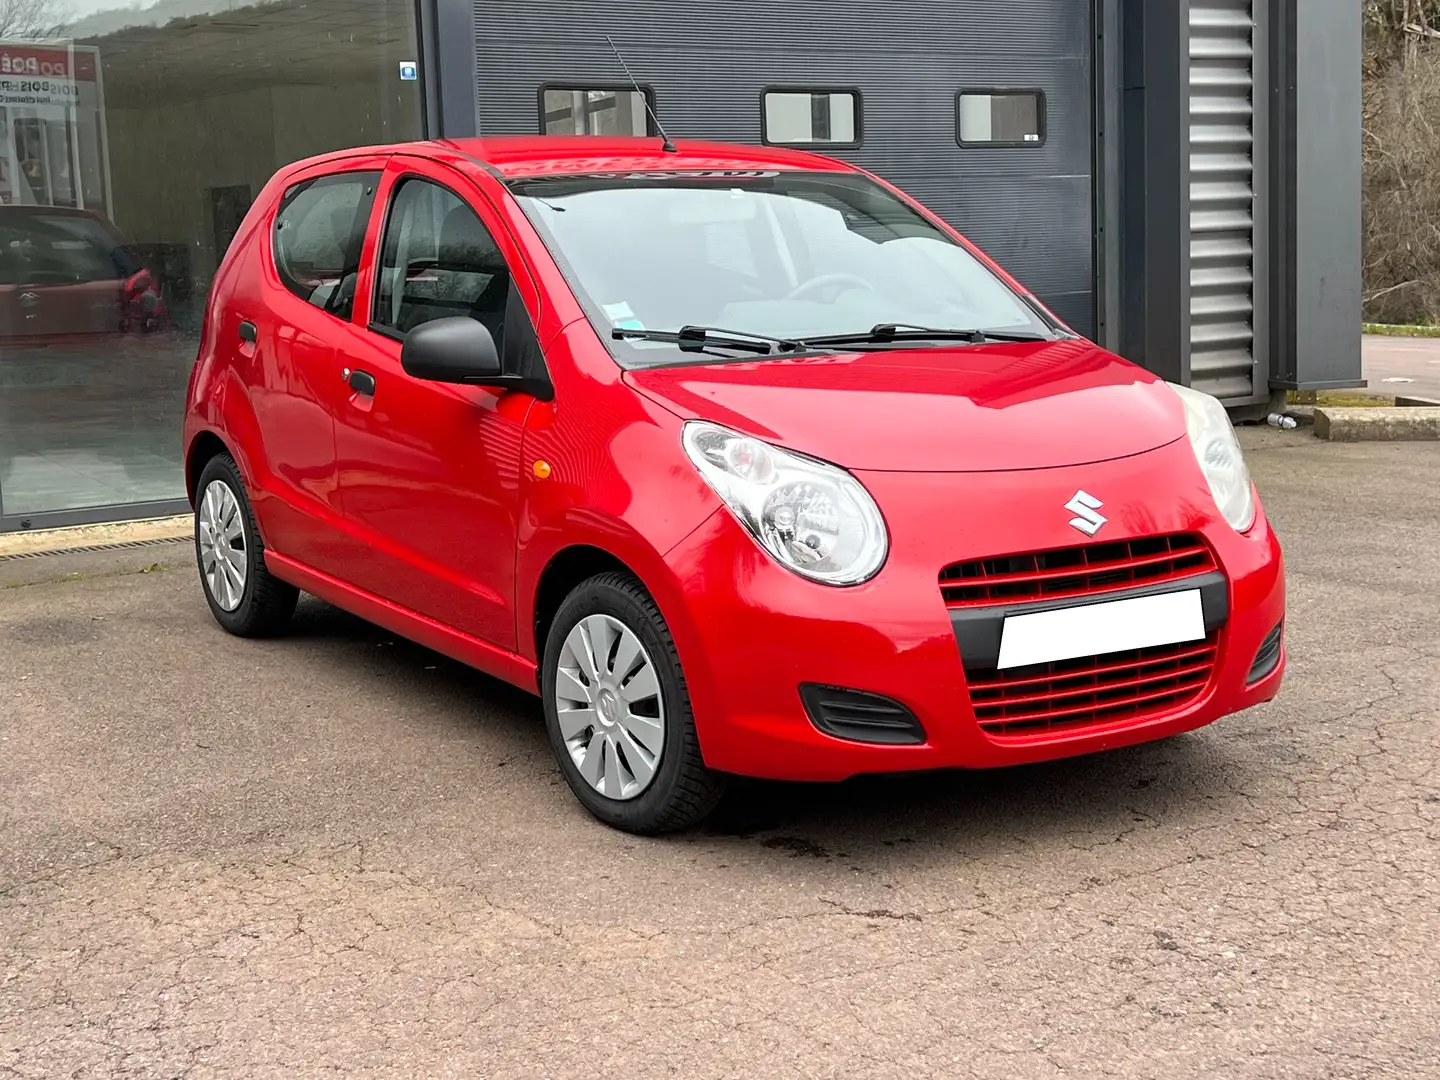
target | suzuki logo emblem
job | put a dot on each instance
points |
(29, 299)
(1084, 507)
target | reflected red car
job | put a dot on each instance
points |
(68, 277)
(742, 460)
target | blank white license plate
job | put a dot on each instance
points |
(1137, 623)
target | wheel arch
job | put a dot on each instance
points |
(566, 570)
(203, 447)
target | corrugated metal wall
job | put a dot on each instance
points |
(708, 60)
(1227, 240)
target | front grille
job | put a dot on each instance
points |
(1091, 690)
(1075, 571)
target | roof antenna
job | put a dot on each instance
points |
(667, 146)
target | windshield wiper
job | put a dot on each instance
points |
(881, 333)
(699, 338)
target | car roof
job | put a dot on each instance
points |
(560, 155)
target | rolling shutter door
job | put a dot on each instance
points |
(1227, 240)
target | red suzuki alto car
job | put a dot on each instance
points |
(743, 461)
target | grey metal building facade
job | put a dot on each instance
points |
(1179, 179)
(1191, 199)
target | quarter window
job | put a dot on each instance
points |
(1000, 117)
(438, 260)
(582, 110)
(811, 117)
(319, 233)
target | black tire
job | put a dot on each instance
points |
(683, 791)
(266, 602)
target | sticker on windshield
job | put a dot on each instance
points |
(622, 317)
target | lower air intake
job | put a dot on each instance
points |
(1267, 657)
(860, 717)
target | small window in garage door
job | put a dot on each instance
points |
(596, 110)
(812, 118)
(1000, 117)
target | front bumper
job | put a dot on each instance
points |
(751, 633)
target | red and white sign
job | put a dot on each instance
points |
(38, 75)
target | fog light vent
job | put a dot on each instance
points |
(1267, 657)
(860, 717)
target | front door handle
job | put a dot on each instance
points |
(362, 382)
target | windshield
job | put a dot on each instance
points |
(789, 255)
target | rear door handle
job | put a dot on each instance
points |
(362, 382)
(247, 331)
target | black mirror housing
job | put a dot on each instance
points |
(461, 350)
(453, 350)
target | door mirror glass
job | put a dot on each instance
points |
(457, 349)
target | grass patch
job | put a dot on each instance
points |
(1339, 399)
(98, 575)
(1387, 330)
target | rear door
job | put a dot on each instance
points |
(286, 328)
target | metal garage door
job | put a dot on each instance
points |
(708, 60)
(1227, 248)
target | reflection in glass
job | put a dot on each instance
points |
(130, 150)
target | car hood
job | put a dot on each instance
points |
(980, 408)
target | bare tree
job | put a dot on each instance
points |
(25, 20)
(1402, 161)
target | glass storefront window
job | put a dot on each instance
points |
(130, 150)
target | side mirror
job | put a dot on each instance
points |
(453, 350)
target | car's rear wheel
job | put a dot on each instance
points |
(618, 712)
(243, 595)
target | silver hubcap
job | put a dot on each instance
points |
(607, 697)
(224, 560)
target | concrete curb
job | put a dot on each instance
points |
(1398, 424)
(91, 536)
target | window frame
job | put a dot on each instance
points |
(376, 182)
(572, 86)
(1042, 117)
(377, 260)
(816, 147)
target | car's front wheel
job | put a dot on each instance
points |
(243, 595)
(618, 712)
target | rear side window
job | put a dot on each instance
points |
(318, 236)
(438, 260)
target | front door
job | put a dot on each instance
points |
(430, 472)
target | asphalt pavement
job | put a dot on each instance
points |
(1402, 365)
(339, 853)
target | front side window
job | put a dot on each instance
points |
(581, 110)
(780, 254)
(437, 260)
(319, 233)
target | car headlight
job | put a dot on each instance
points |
(812, 517)
(1212, 437)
